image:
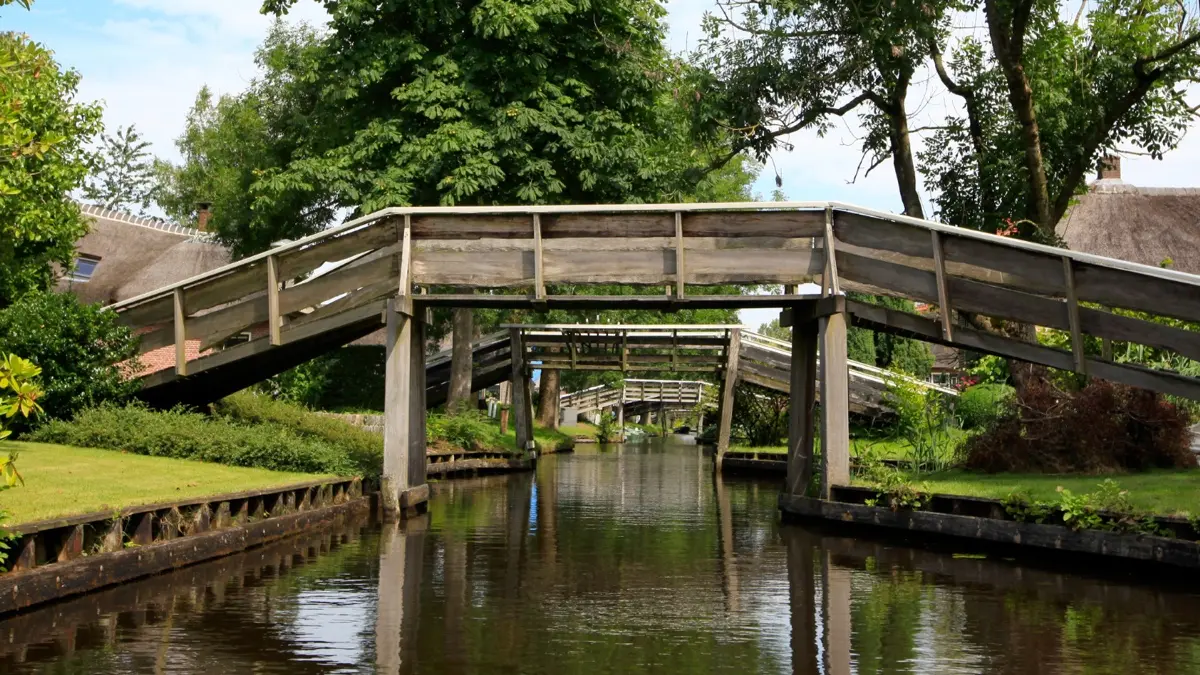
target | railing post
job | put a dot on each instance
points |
(180, 333)
(274, 320)
(728, 384)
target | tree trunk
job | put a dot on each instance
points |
(459, 396)
(547, 413)
(902, 158)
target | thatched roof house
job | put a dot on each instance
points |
(124, 255)
(1152, 226)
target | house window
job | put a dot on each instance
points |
(85, 267)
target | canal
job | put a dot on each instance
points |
(624, 559)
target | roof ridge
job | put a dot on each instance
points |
(1126, 188)
(145, 221)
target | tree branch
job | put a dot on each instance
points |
(1169, 52)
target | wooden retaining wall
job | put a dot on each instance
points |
(57, 558)
(989, 524)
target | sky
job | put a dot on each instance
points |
(147, 59)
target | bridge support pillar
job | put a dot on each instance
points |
(725, 398)
(801, 403)
(522, 398)
(402, 486)
(835, 403)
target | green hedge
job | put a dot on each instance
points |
(187, 435)
(978, 406)
(364, 449)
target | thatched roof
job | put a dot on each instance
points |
(139, 254)
(1142, 225)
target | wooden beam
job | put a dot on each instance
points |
(539, 274)
(835, 403)
(911, 325)
(680, 266)
(180, 323)
(802, 401)
(406, 283)
(274, 318)
(830, 277)
(728, 385)
(522, 405)
(939, 266)
(1077, 346)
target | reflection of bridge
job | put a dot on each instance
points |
(385, 264)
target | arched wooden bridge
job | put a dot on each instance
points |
(385, 265)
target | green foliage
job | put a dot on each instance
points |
(349, 379)
(860, 345)
(760, 416)
(123, 177)
(1021, 507)
(44, 134)
(466, 429)
(893, 487)
(6, 537)
(186, 435)
(925, 418)
(606, 430)
(363, 448)
(18, 396)
(1108, 508)
(228, 142)
(981, 405)
(988, 369)
(772, 329)
(78, 347)
(889, 351)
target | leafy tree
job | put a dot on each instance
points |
(44, 134)
(81, 349)
(772, 329)
(124, 176)
(229, 142)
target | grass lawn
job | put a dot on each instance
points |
(1163, 492)
(580, 430)
(63, 481)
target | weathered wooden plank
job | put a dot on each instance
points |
(1073, 317)
(274, 318)
(939, 268)
(910, 325)
(681, 270)
(342, 280)
(632, 267)
(595, 225)
(301, 261)
(753, 265)
(476, 270)
(471, 227)
(180, 327)
(522, 403)
(539, 275)
(786, 224)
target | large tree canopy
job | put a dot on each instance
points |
(44, 134)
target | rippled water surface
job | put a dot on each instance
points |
(623, 560)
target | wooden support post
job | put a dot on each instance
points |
(522, 403)
(680, 273)
(728, 384)
(939, 266)
(180, 334)
(621, 416)
(800, 408)
(1073, 317)
(539, 289)
(403, 485)
(274, 320)
(829, 277)
(835, 403)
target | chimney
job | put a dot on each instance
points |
(203, 214)
(1110, 167)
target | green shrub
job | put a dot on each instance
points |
(77, 346)
(469, 430)
(187, 435)
(363, 448)
(346, 379)
(981, 405)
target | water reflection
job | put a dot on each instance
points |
(615, 560)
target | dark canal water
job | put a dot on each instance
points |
(627, 560)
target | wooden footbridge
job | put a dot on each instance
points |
(387, 265)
